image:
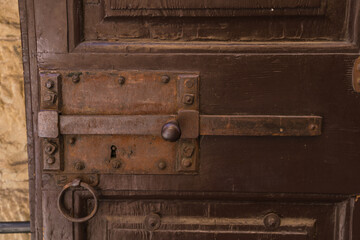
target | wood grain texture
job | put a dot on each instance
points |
(208, 4)
(217, 24)
(213, 8)
(258, 80)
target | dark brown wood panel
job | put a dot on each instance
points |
(288, 58)
(212, 8)
(125, 216)
(207, 27)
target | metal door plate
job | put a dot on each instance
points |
(109, 122)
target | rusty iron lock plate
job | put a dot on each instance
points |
(119, 92)
(109, 122)
(112, 122)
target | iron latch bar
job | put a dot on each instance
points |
(192, 125)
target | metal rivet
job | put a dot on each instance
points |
(152, 222)
(72, 140)
(189, 83)
(50, 148)
(186, 162)
(312, 127)
(188, 151)
(272, 221)
(50, 160)
(162, 165)
(189, 99)
(165, 79)
(76, 78)
(122, 80)
(49, 84)
(50, 97)
(116, 164)
(79, 165)
(281, 130)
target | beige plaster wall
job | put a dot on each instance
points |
(13, 156)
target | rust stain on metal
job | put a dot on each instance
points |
(49, 88)
(253, 125)
(121, 92)
(48, 124)
(132, 155)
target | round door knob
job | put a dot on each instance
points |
(171, 131)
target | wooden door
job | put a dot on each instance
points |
(179, 119)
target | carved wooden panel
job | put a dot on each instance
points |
(211, 219)
(125, 21)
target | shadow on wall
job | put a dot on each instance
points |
(13, 157)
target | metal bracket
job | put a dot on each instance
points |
(49, 87)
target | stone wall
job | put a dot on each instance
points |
(13, 157)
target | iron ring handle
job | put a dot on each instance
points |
(77, 183)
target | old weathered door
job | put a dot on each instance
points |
(181, 119)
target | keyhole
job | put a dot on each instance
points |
(113, 151)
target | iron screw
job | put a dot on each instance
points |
(272, 221)
(152, 221)
(186, 162)
(122, 80)
(72, 141)
(162, 165)
(50, 160)
(79, 165)
(188, 151)
(76, 78)
(165, 79)
(50, 148)
(189, 83)
(50, 97)
(116, 164)
(312, 127)
(189, 99)
(49, 84)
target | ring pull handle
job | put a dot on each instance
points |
(77, 183)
